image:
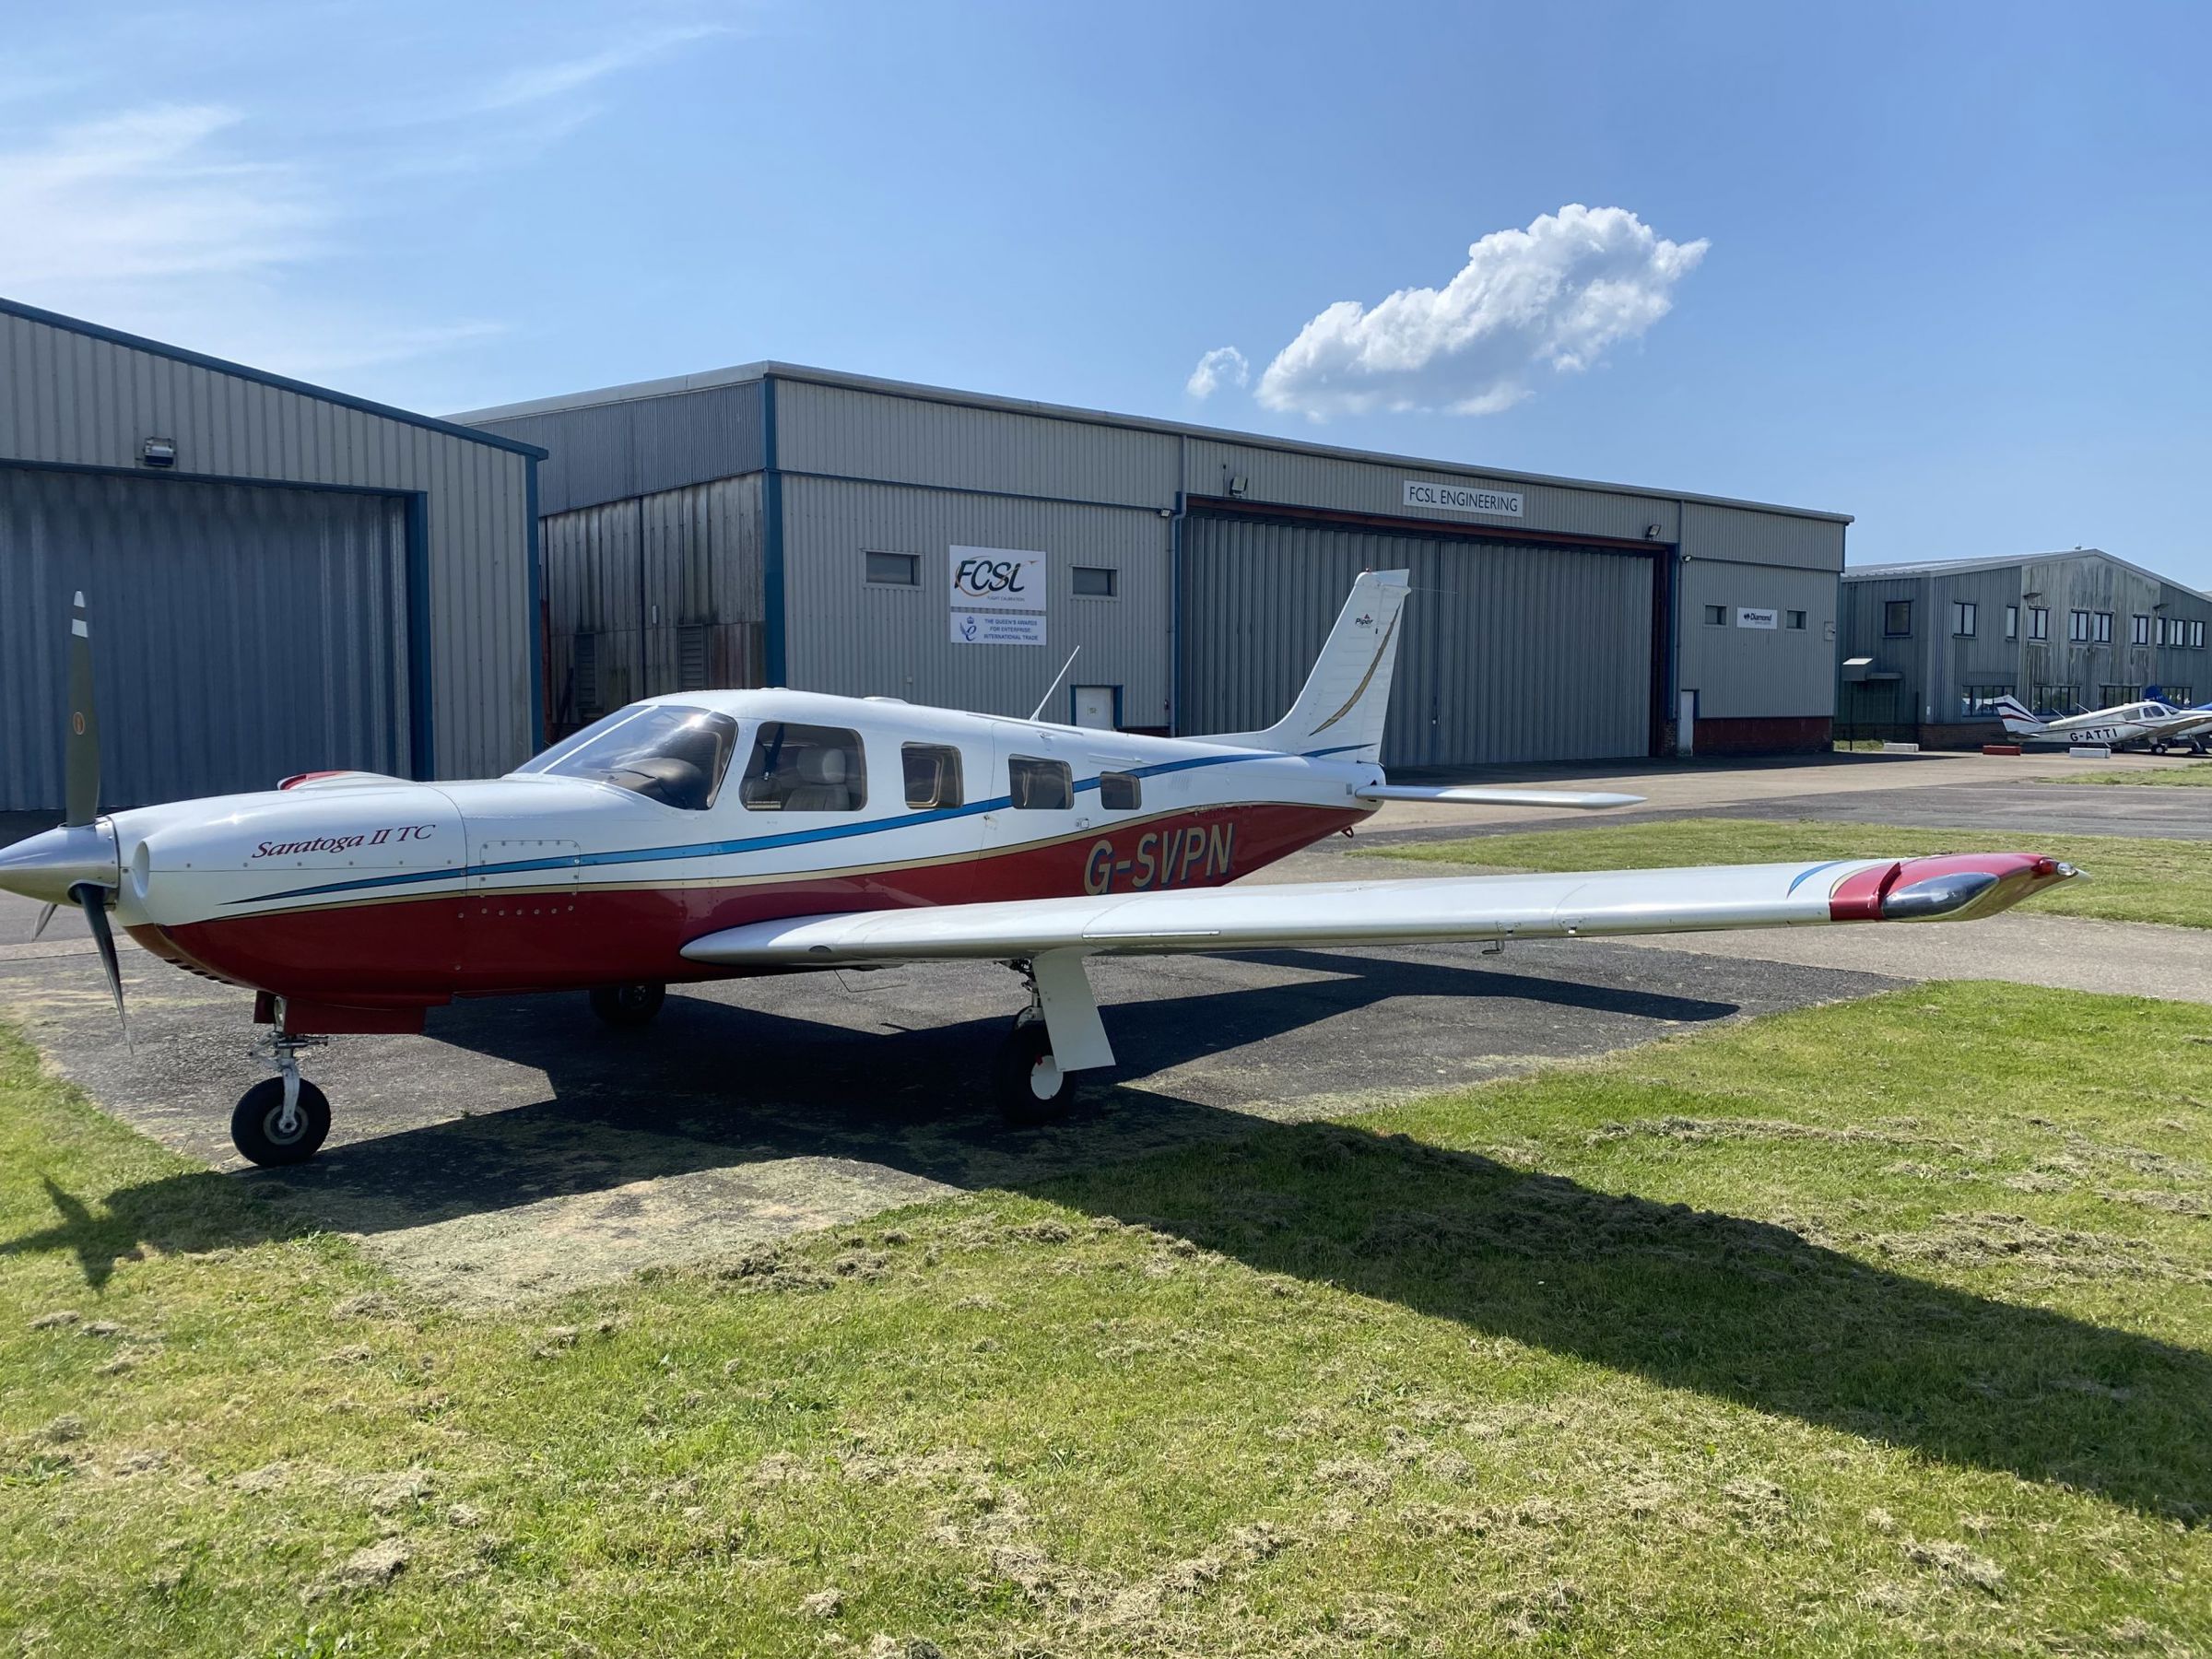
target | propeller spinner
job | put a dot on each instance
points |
(79, 863)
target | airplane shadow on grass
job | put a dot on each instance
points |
(1734, 1309)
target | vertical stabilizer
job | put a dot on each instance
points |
(2019, 719)
(1346, 696)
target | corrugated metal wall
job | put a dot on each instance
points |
(661, 593)
(846, 635)
(1511, 651)
(1752, 673)
(642, 445)
(72, 398)
(241, 634)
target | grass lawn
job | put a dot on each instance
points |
(2192, 776)
(1871, 1328)
(2130, 880)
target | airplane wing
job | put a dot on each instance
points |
(1461, 795)
(1955, 887)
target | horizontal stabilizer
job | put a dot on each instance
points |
(1455, 795)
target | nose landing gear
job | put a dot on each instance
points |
(281, 1120)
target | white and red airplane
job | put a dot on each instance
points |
(713, 835)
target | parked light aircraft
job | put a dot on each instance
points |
(719, 834)
(2150, 723)
(2195, 734)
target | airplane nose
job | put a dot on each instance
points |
(47, 865)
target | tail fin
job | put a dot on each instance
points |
(2018, 718)
(1346, 696)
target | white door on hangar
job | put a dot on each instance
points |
(1094, 706)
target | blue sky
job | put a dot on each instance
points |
(1940, 266)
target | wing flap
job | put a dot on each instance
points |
(1397, 911)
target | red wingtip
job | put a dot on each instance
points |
(1951, 886)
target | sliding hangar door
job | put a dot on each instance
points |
(240, 632)
(1512, 650)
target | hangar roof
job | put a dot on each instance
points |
(739, 374)
(1965, 567)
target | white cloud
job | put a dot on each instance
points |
(1558, 295)
(146, 195)
(1222, 364)
(541, 81)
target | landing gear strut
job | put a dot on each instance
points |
(281, 1120)
(630, 1004)
(1056, 1037)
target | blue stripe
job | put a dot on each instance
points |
(1804, 876)
(756, 843)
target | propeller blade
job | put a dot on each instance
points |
(94, 901)
(81, 749)
(45, 916)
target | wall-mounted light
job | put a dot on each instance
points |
(1651, 533)
(1236, 482)
(158, 451)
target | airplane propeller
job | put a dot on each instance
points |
(76, 863)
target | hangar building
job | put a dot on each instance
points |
(281, 578)
(1927, 648)
(773, 524)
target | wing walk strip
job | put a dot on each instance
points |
(761, 843)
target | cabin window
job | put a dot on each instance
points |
(805, 768)
(932, 774)
(1039, 785)
(895, 570)
(1119, 791)
(1096, 581)
(663, 751)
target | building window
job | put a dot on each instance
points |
(2077, 626)
(1119, 791)
(1897, 619)
(1716, 616)
(2039, 623)
(1096, 581)
(1794, 619)
(1039, 785)
(2012, 621)
(1962, 618)
(805, 768)
(1979, 701)
(2196, 636)
(2181, 697)
(2057, 700)
(2111, 697)
(932, 774)
(2104, 628)
(895, 570)
(2138, 630)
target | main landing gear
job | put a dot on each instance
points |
(281, 1120)
(1059, 1034)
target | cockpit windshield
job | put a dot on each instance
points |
(662, 751)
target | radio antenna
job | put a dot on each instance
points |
(1038, 712)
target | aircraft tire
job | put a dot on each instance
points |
(253, 1124)
(1023, 1074)
(630, 1004)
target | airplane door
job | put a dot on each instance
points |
(1031, 839)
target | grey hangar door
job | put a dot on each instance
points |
(240, 632)
(1512, 650)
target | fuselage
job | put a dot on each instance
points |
(360, 900)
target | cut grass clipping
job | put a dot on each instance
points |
(1872, 1328)
(2197, 775)
(2130, 880)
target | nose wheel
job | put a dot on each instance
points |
(284, 1119)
